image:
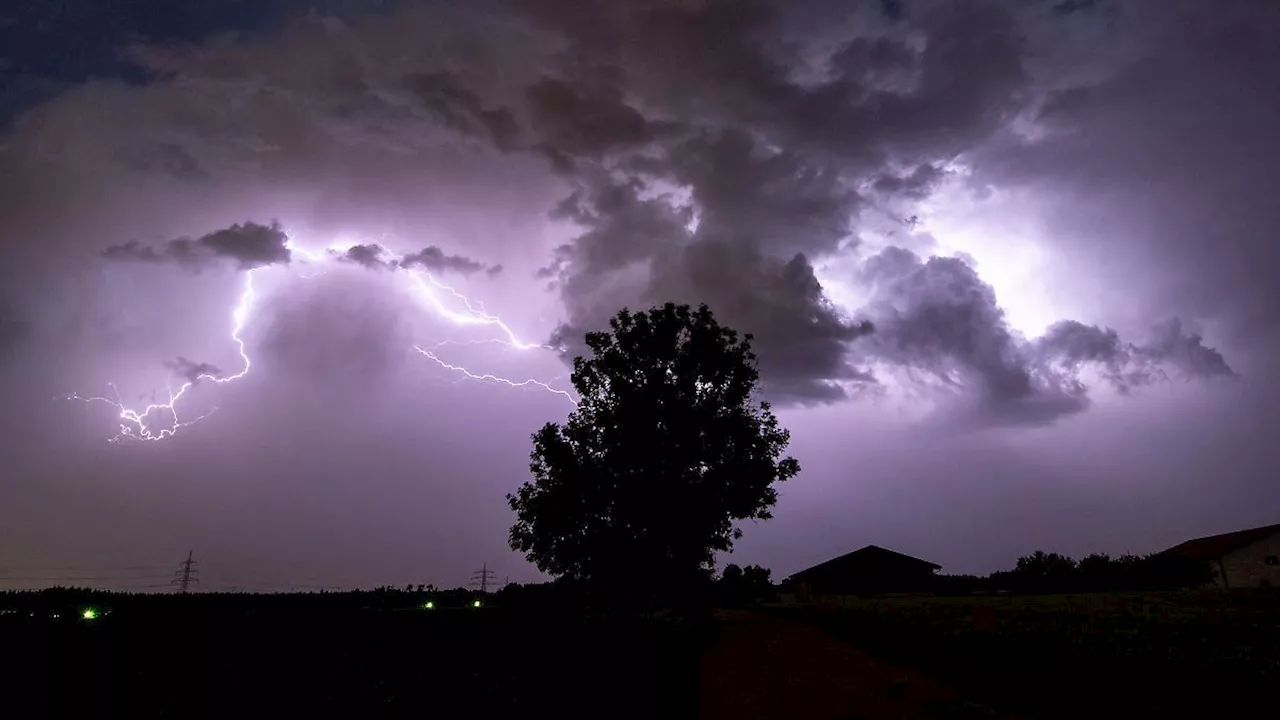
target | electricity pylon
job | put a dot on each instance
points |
(483, 577)
(186, 574)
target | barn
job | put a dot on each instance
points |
(872, 570)
(1241, 559)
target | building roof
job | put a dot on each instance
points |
(1216, 546)
(872, 555)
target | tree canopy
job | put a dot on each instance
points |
(744, 585)
(667, 451)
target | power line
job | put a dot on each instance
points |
(80, 577)
(88, 575)
(93, 587)
(80, 568)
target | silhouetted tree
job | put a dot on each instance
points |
(759, 579)
(1099, 572)
(1043, 564)
(966, 584)
(643, 485)
(731, 575)
(1042, 571)
(744, 586)
(1051, 572)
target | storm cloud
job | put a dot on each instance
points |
(717, 174)
(936, 316)
(1049, 223)
(247, 246)
(371, 256)
(192, 371)
(433, 258)
(375, 257)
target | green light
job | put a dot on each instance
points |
(89, 614)
(475, 603)
(429, 606)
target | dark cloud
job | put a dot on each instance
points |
(192, 371)
(749, 195)
(916, 185)
(1072, 346)
(622, 228)
(892, 9)
(433, 258)
(877, 95)
(1171, 344)
(586, 121)
(252, 246)
(771, 162)
(166, 159)
(459, 108)
(937, 316)
(14, 329)
(371, 256)
(1171, 352)
(801, 339)
(248, 246)
(610, 261)
(709, 172)
(376, 257)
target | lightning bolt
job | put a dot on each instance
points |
(160, 420)
(493, 378)
(133, 422)
(427, 285)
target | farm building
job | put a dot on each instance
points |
(1242, 559)
(872, 570)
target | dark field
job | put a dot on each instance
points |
(370, 655)
(200, 658)
(1059, 656)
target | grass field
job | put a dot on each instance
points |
(201, 659)
(384, 655)
(1129, 654)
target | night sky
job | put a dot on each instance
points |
(1009, 265)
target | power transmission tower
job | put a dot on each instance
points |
(483, 577)
(186, 574)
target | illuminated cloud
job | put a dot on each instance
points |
(713, 174)
(937, 316)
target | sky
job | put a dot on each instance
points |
(1007, 265)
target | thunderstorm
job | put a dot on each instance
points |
(160, 420)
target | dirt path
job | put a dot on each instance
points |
(766, 668)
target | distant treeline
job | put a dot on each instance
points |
(1039, 572)
(70, 602)
(1042, 572)
(734, 587)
